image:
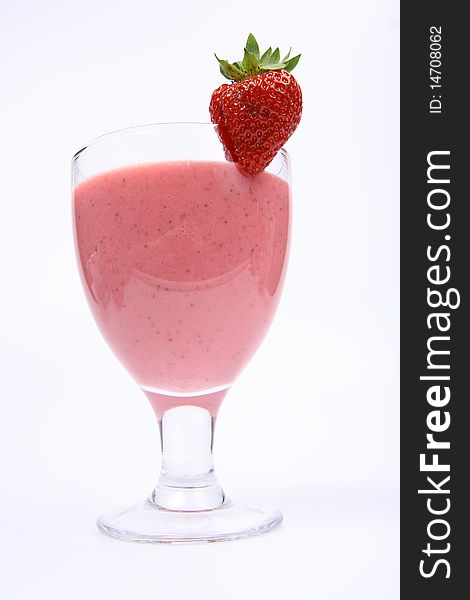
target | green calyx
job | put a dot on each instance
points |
(254, 62)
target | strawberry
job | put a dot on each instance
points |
(259, 111)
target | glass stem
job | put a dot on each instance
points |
(187, 479)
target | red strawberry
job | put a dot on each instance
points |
(259, 111)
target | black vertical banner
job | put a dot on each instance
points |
(435, 301)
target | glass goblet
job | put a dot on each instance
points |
(182, 260)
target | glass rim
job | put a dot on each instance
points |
(125, 131)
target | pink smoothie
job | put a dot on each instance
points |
(182, 264)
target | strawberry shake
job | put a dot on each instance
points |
(182, 263)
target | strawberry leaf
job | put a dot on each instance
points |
(286, 57)
(273, 67)
(250, 63)
(266, 56)
(252, 45)
(290, 64)
(275, 56)
(230, 71)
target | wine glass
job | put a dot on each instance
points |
(182, 259)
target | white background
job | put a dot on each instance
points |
(311, 426)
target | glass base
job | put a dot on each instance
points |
(149, 523)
